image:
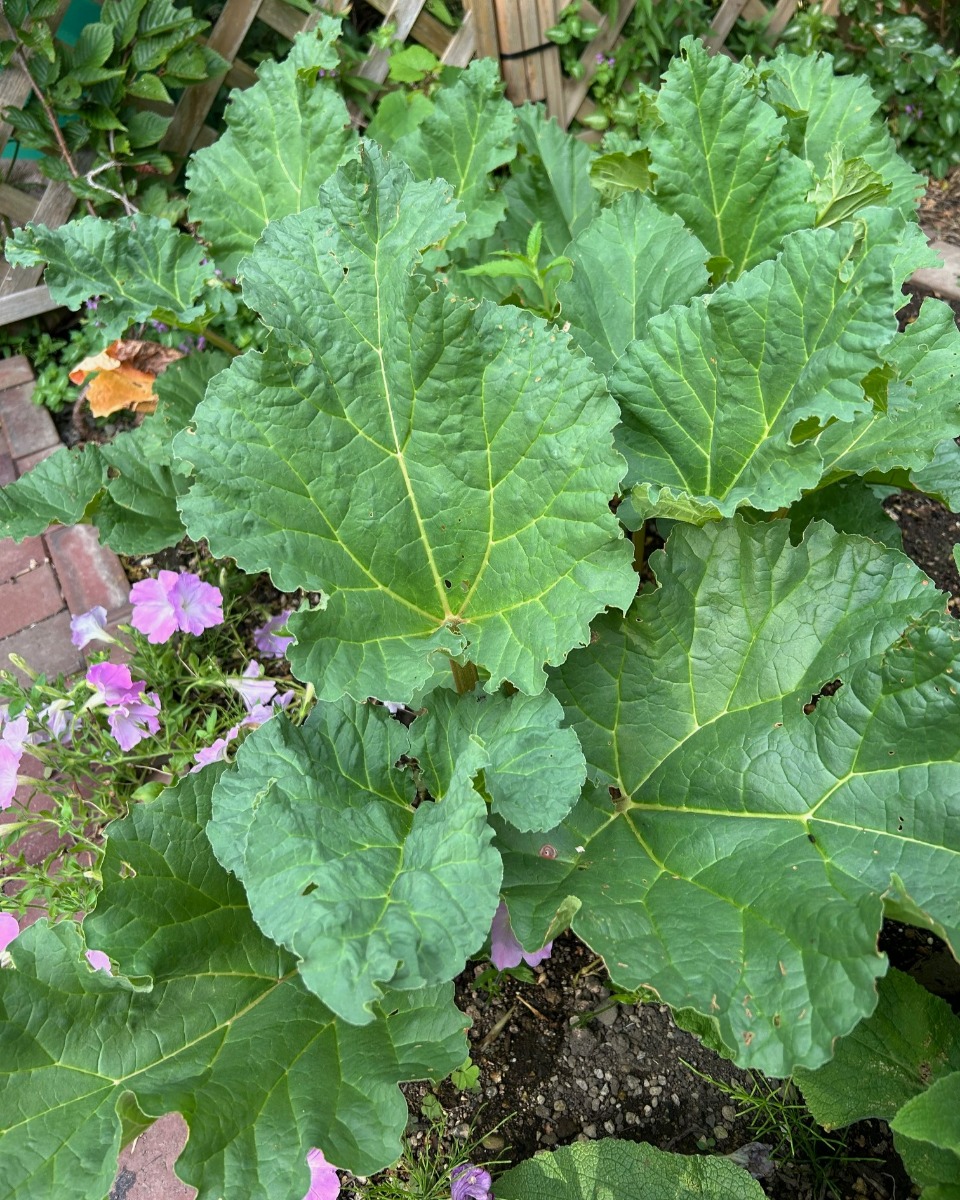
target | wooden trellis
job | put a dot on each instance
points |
(513, 31)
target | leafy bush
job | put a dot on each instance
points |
(915, 77)
(720, 778)
(92, 99)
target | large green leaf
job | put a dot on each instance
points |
(720, 412)
(629, 264)
(926, 1133)
(138, 266)
(901, 1064)
(908, 1043)
(56, 491)
(137, 511)
(722, 162)
(285, 136)
(826, 112)
(618, 1170)
(470, 132)
(533, 769)
(441, 472)
(550, 183)
(775, 739)
(208, 1018)
(340, 868)
(911, 417)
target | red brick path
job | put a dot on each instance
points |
(46, 579)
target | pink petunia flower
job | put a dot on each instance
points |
(59, 721)
(113, 684)
(8, 930)
(199, 605)
(9, 767)
(268, 641)
(99, 961)
(90, 626)
(324, 1181)
(14, 732)
(216, 752)
(134, 719)
(174, 601)
(505, 950)
(253, 688)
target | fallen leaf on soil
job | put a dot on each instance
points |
(123, 376)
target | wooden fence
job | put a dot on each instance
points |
(513, 31)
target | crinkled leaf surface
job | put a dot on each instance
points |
(618, 1170)
(550, 182)
(341, 869)
(722, 162)
(909, 1042)
(630, 263)
(285, 136)
(719, 412)
(136, 265)
(209, 1018)
(137, 511)
(470, 132)
(441, 472)
(825, 111)
(533, 769)
(910, 420)
(781, 728)
(56, 490)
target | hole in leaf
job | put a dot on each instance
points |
(447, 584)
(311, 887)
(828, 689)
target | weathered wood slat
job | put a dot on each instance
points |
(226, 38)
(54, 208)
(403, 14)
(29, 303)
(724, 21)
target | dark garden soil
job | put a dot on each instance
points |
(940, 208)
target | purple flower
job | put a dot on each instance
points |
(8, 930)
(254, 690)
(14, 731)
(201, 342)
(92, 303)
(59, 719)
(267, 640)
(160, 327)
(99, 961)
(9, 766)
(506, 951)
(217, 752)
(135, 719)
(174, 601)
(599, 59)
(324, 1181)
(112, 682)
(468, 1182)
(90, 627)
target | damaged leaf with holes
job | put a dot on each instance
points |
(773, 747)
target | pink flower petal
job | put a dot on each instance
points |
(154, 612)
(99, 961)
(9, 767)
(8, 930)
(113, 683)
(198, 605)
(324, 1181)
